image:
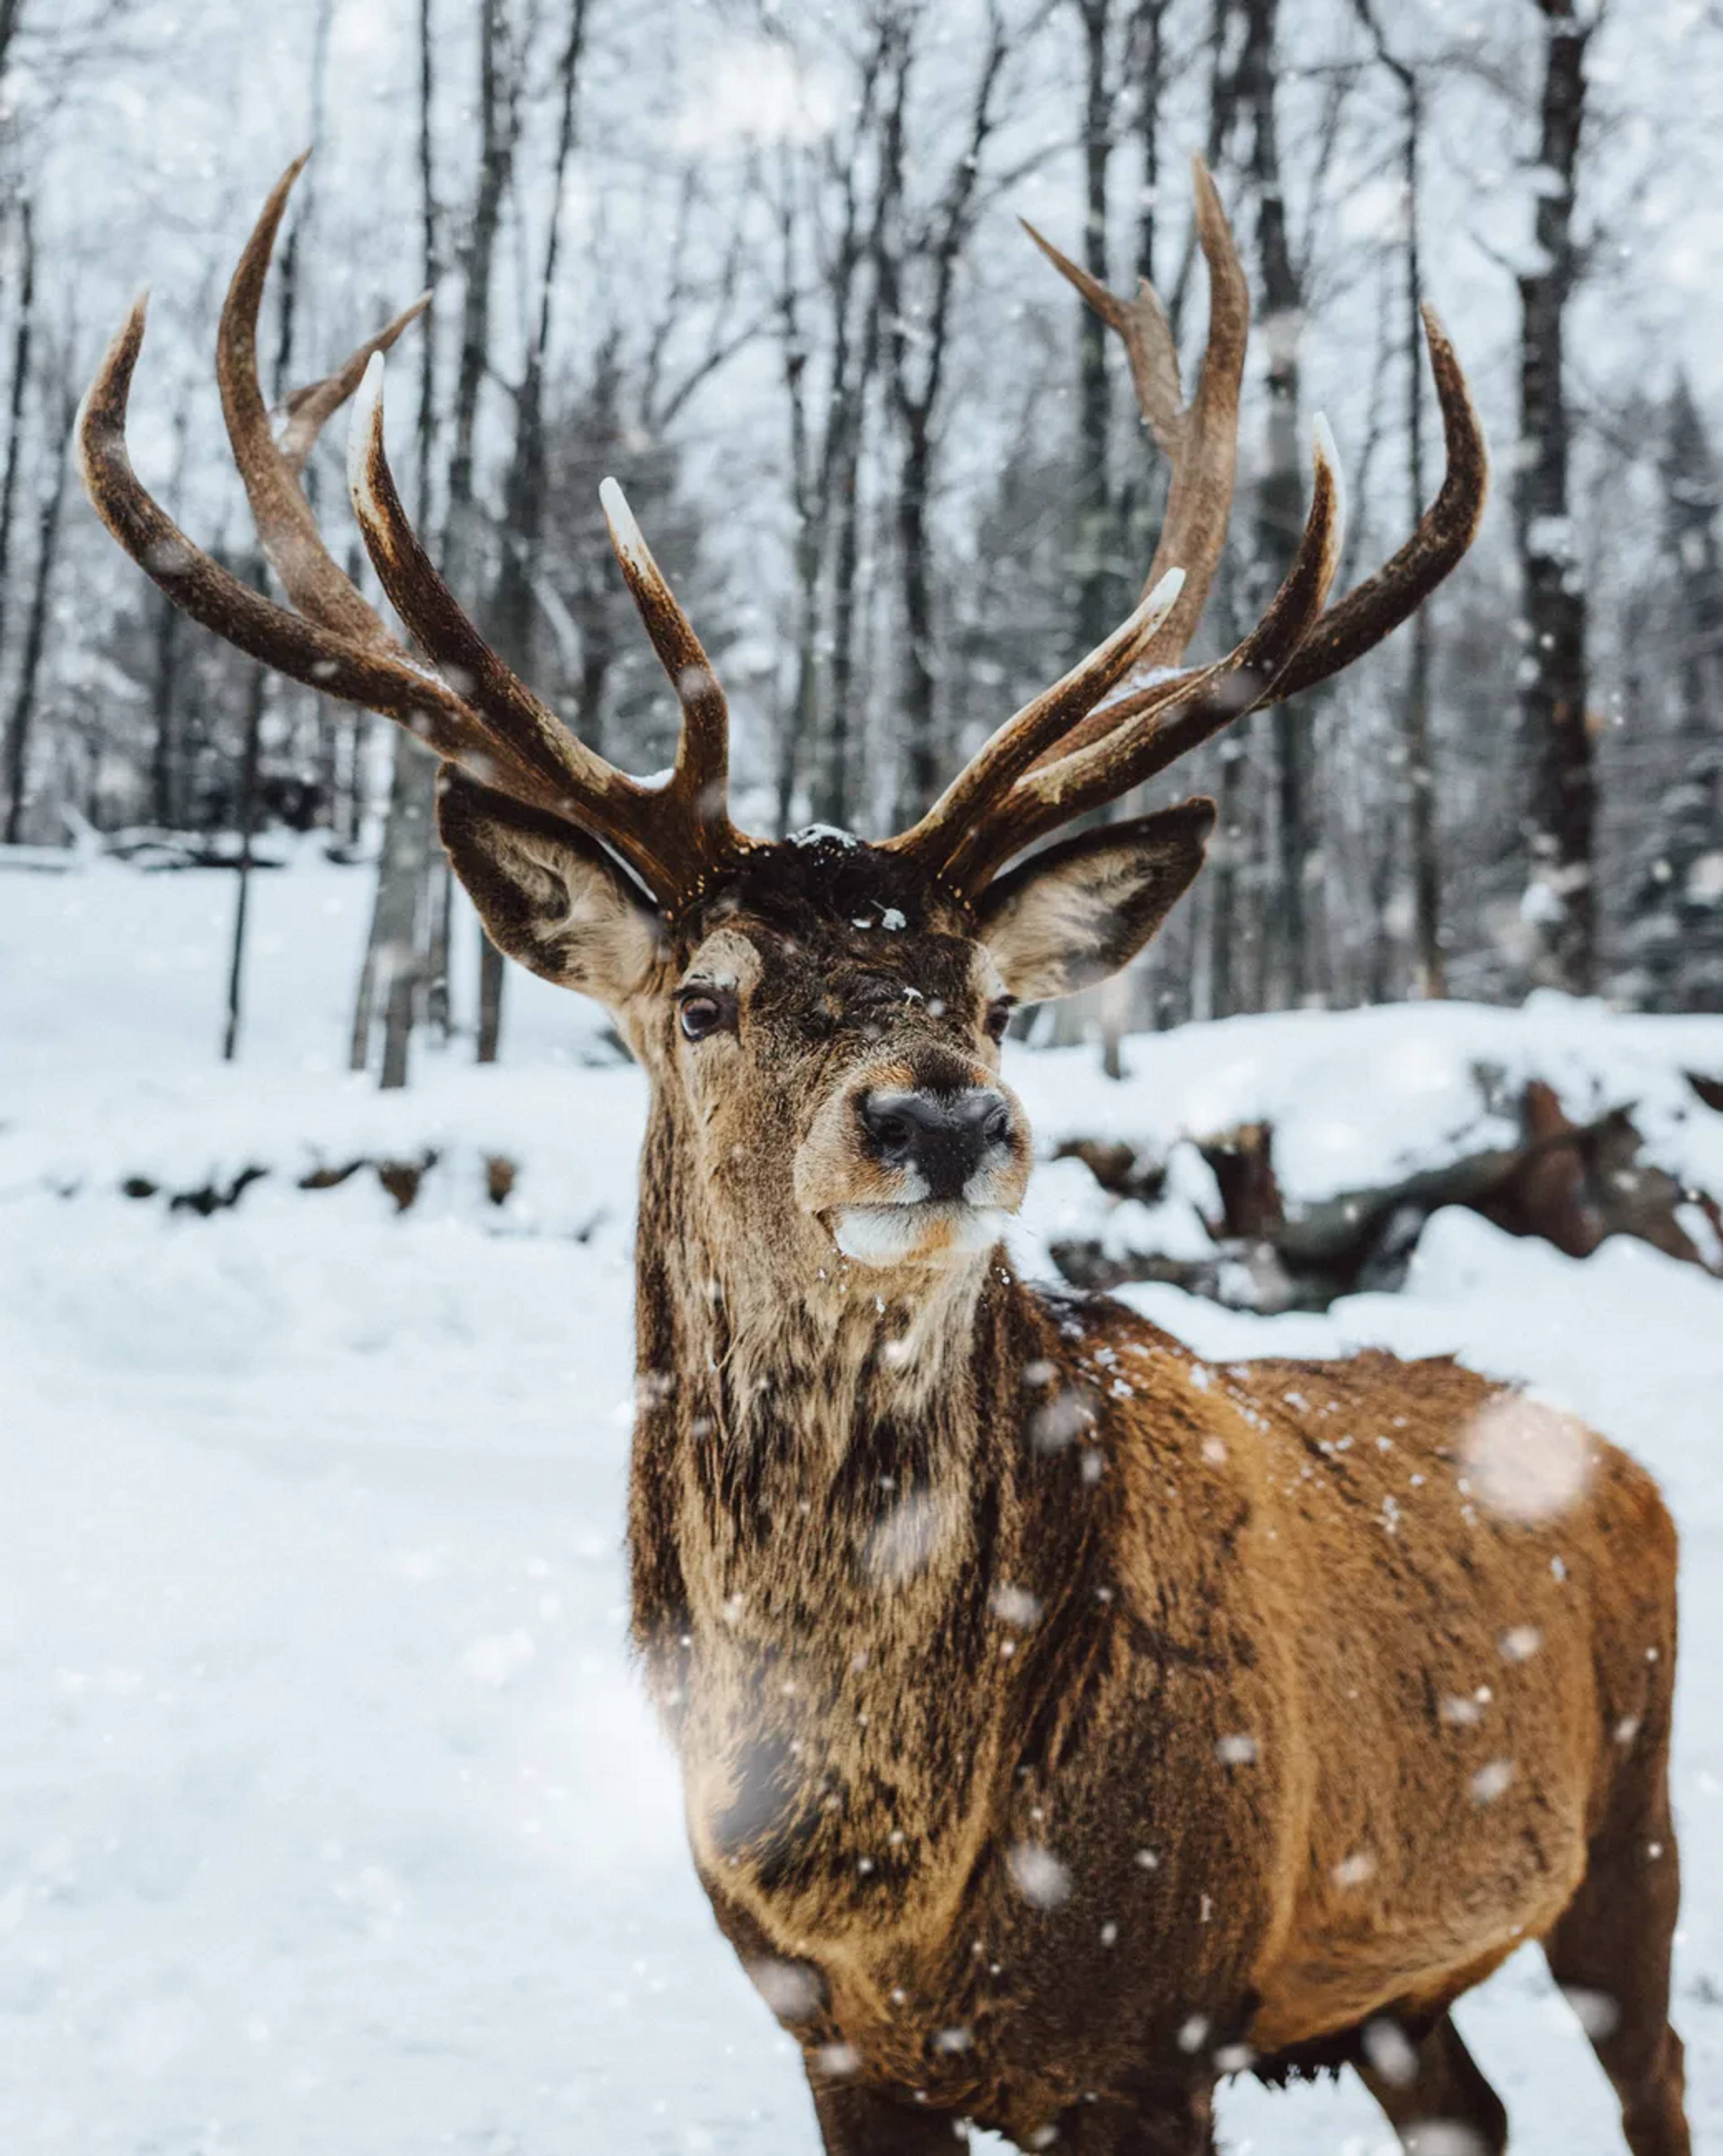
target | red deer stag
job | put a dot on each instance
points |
(1065, 1723)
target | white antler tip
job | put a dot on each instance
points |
(625, 535)
(365, 425)
(1328, 453)
(1162, 599)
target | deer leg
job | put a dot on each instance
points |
(1610, 1953)
(1438, 2100)
(867, 2121)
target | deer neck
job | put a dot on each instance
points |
(824, 1497)
(816, 1457)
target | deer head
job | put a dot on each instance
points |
(820, 1016)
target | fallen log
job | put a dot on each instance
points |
(1570, 1184)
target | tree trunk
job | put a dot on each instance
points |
(254, 701)
(23, 705)
(920, 768)
(498, 120)
(430, 262)
(939, 246)
(1231, 838)
(490, 999)
(1279, 498)
(1149, 53)
(164, 687)
(513, 613)
(847, 414)
(22, 335)
(1095, 579)
(438, 902)
(1552, 697)
(398, 962)
(796, 732)
(1430, 967)
(437, 899)
(389, 976)
(12, 17)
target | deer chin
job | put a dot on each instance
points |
(932, 1232)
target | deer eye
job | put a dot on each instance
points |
(999, 1017)
(703, 1012)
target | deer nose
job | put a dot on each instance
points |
(945, 1137)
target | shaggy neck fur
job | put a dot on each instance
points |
(816, 1506)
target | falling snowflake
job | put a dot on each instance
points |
(1039, 1876)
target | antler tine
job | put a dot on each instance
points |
(1250, 675)
(429, 609)
(1372, 610)
(647, 825)
(372, 674)
(308, 409)
(482, 719)
(701, 777)
(986, 779)
(1375, 608)
(1200, 439)
(282, 516)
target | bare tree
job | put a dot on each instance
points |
(390, 947)
(1675, 932)
(934, 245)
(826, 445)
(1431, 970)
(398, 958)
(513, 607)
(1562, 810)
(23, 331)
(1232, 920)
(1097, 594)
(1279, 493)
(62, 405)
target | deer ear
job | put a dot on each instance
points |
(547, 894)
(1068, 917)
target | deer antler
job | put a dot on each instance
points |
(1064, 753)
(474, 712)
(1020, 787)
(1200, 439)
(1100, 772)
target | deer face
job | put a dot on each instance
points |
(824, 1028)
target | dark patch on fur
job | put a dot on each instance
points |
(801, 890)
(773, 1818)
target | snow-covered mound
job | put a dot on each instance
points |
(1337, 1135)
(1359, 1099)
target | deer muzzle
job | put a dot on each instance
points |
(908, 1172)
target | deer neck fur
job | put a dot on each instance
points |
(823, 1495)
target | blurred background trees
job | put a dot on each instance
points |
(761, 262)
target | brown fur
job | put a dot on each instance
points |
(1066, 1723)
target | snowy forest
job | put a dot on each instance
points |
(334, 1813)
(764, 263)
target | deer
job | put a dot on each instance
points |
(1066, 1723)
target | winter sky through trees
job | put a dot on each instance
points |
(788, 301)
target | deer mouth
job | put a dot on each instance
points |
(924, 1231)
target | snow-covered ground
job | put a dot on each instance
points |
(330, 1817)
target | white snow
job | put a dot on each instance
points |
(1362, 1098)
(330, 1814)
